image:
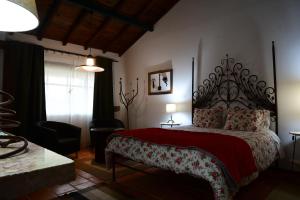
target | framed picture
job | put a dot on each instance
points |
(160, 82)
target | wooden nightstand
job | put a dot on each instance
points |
(295, 134)
(169, 124)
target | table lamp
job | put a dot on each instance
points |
(171, 108)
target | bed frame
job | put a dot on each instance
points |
(230, 85)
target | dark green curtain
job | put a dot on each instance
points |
(103, 107)
(24, 79)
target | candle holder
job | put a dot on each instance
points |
(128, 98)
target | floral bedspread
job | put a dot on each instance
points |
(198, 163)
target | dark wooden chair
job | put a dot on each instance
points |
(59, 137)
(99, 132)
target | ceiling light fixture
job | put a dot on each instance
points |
(18, 15)
(90, 65)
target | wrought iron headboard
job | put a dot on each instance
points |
(231, 85)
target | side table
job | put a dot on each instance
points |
(168, 124)
(294, 137)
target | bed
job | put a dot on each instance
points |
(227, 154)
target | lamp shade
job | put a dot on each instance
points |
(18, 15)
(170, 107)
(90, 65)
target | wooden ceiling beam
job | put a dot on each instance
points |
(75, 24)
(147, 6)
(95, 34)
(102, 25)
(109, 43)
(94, 6)
(122, 51)
(49, 15)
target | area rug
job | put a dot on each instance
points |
(273, 184)
(99, 192)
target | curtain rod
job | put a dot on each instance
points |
(76, 54)
(2, 44)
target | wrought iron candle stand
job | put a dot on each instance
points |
(127, 98)
(6, 140)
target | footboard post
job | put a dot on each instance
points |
(113, 168)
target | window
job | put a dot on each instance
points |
(69, 96)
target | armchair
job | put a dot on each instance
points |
(59, 137)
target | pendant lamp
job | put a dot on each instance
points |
(18, 15)
(90, 65)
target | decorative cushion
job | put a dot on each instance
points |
(208, 118)
(266, 119)
(247, 120)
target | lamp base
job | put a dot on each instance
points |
(171, 121)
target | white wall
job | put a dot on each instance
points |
(207, 30)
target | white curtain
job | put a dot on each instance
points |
(69, 96)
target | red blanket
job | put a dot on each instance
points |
(233, 152)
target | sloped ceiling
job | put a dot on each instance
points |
(109, 25)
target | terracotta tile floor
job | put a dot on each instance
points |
(83, 180)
